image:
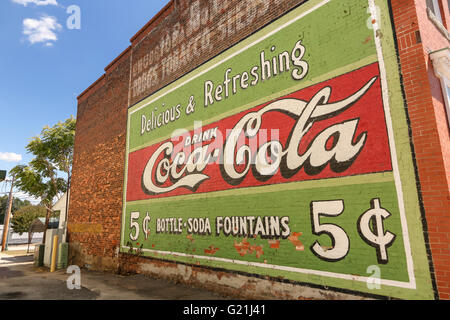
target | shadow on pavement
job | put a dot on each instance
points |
(21, 280)
(15, 259)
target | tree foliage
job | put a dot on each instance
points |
(53, 153)
(16, 205)
(55, 145)
(25, 216)
(39, 181)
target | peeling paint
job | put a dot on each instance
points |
(368, 40)
(244, 248)
(297, 243)
(211, 250)
(274, 244)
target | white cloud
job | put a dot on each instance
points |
(37, 2)
(41, 30)
(10, 157)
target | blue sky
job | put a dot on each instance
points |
(44, 65)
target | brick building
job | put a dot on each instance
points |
(325, 143)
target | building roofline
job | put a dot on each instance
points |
(91, 86)
(153, 20)
(117, 58)
(164, 10)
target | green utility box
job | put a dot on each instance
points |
(39, 255)
(63, 254)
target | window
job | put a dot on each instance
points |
(433, 5)
(446, 91)
(441, 66)
(435, 15)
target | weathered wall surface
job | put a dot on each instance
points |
(189, 33)
(366, 201)
(96, 197)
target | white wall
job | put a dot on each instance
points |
(20, 239)
(61, 207)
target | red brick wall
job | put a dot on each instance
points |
(430, 132)
(97, 178)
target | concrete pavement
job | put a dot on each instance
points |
(19, 279)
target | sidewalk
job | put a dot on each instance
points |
(20, 249)
(20, 280)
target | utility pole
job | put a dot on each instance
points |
(7, 219)
(67, 207)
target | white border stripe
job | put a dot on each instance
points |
(12, 264)
(282, 268)
(387, 111)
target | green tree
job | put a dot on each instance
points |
(53, 153)
(16, 205)
(25, 216)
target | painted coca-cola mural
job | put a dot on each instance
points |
(286, 156)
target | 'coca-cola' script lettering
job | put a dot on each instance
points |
(170, 168)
